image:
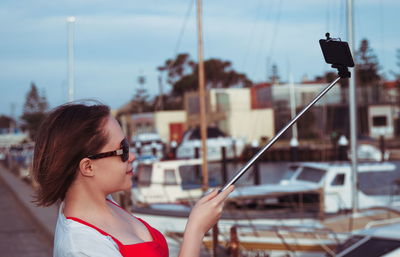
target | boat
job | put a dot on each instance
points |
(147, 146)
(328, 185)
(216, 140)
(307, 187)
(378, 238)
(329, 237)
(171, 181)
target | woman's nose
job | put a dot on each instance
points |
(132, 157)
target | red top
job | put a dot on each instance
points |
(156, 248)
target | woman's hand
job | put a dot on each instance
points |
(207, 211)
(204, 215)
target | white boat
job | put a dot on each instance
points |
(147, 146)
(368, 152)
(216, 139)
(318, 187)
(174, 181)
(329, 184)
(294, 217)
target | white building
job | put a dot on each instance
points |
(242, 120)
(381, 119)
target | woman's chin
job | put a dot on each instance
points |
(128, 185)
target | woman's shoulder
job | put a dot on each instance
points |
(75, 239)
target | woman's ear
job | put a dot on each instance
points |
(86, 167)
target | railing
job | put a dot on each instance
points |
(283, 233)
(382, 222)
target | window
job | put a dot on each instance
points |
(169, 177)
(338, 180)
(379, 121)
(192, 175)
(212, 132)
(263, 97)
(311, 174)
(144, 175)
(379, 182)
(214, 174)
(193, 104)
(288, 173)
(222, 102)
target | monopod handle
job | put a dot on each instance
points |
(277, 136)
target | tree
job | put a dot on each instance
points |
(140, 101)
(6, 122)
(397, 74)
(367, 68)
(182, 74)
(181, 66)
(34, 111)
(274, 78)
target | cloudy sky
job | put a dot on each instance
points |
(118, 41)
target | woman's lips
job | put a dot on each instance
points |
(130, 172)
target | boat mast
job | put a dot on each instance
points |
(352, 109)
(294, 142)
(202, 98)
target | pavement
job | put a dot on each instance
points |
(25, 229)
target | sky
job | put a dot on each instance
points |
(117, 41)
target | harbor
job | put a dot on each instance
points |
(138, 120)
(265, 227)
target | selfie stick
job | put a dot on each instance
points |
(343, 73)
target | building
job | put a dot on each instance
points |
(260, 111)
(170, 125)
(232, 110)
(244, 119)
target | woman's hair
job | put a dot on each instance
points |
(68, 134)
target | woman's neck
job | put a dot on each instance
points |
(83, 201)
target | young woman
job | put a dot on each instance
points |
(81, 157)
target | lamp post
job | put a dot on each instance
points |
(70, 32)
(352, 109)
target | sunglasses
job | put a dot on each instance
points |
(123, 152)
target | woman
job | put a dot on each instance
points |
(81, 157)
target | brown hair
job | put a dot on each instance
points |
(69, 133)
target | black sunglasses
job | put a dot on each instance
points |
(123, 152)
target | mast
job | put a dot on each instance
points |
(352, 109)
(294, 141)
(202, 98)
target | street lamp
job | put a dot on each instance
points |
(70, 30)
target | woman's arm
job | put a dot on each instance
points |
(202, 218)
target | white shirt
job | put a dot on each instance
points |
(73, 239)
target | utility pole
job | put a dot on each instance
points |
(202, 98)
(13, 124)
(160, 98)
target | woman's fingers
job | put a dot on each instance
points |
(219, 198)
(208, 210)
(224, 194)
(209, 196)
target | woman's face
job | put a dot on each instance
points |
(112, 174)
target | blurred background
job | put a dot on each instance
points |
(262, 65)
